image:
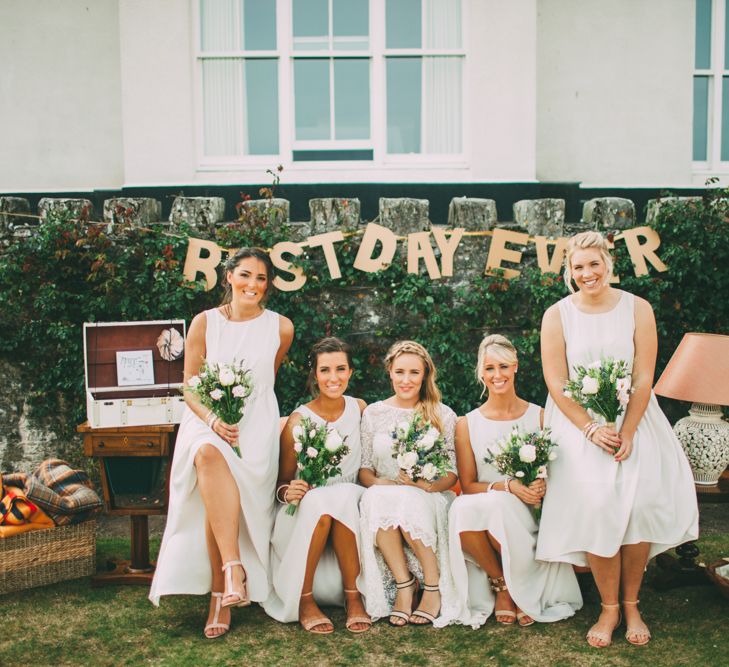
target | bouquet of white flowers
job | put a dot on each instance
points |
(224, 388)
(524, 456)
(419, 449)
(319, 451)
(603, 387)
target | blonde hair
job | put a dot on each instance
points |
(499, 347)
(430, 396)
(583, 241)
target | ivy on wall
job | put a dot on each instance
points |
(70, 272)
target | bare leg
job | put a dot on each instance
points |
(220, 496)
(634, 558)
(606, 572)
(308, 607)
(389, 542)
(345, 549)
(216, 567)
(430, 602)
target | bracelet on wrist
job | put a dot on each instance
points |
(279, 497)
(507, 481)
(490, 486)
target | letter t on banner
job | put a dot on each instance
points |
(327, 241)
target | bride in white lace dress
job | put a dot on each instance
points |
(314, 553)
(404, 528)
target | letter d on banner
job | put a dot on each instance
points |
(374, 233)
(195, 263)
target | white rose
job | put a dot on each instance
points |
(312, 433)
(429, 472)
(542, 472)
(299, 466)
(552, 456)
(623, 384)
(333, 441)
(226, 377)
(298, 432)
(403, 427)
(194, 381)
(407, 460)
(527, 453)
(427, 441)
(216, 394)
(239, 391)
(590, 385)
(311, 452)
(298, 446)
(519, 473)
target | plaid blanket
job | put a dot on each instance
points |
(66, 495)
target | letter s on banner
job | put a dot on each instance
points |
(277, 252)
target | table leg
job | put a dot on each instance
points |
(137, 572)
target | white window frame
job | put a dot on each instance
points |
(377, 54)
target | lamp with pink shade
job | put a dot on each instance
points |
(699, 372)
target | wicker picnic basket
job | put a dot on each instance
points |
(42, 557)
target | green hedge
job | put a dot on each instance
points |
(71, 272)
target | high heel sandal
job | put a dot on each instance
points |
(601, 635)
(636, 632)
(216, 624)
(316, 622)
(239, 597)
(353, 620)
(498, 585)
(419, 613)
(403, 615)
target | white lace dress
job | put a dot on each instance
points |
(545, 591)
(291, 537)
(423, 515)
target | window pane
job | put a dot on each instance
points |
(261, 79)
(217, 25)
(311, 24)
(725, 119)
(703, 34)
(403, 21)
(442, 102)
(222, 107)
(442, 24)
(311, 93)
(350, 23)
(352, 98)
(259, 25)
(701, 109)
(403, 105)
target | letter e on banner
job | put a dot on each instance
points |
(195, 263)
(639, 253)
(374, 233)
(277, 252)
(498, 252)
(419, 248)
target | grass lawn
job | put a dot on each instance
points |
(73, 624)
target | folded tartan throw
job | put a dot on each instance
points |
(66, 495)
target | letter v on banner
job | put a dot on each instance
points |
(553, 264)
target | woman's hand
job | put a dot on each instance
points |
(626, 447)
(607, 439)
(526, 494)
(403, 479)
(539, 486)
(227, 432)
(296, 490)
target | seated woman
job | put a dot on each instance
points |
(492, 528)
(314, 553)
(405, 519)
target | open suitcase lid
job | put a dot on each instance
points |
(128, 356)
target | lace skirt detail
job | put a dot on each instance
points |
(422, 515)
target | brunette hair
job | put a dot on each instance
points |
(232, 262)
(582, 241)
(497, 346)
(324, 346)
(430, 396)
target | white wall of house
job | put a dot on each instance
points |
(614, 91)
(60, 95)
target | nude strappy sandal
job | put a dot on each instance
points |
(419, 613)
(215, 625)
(315, 622)
(498, 585)
(353, 620)
(600, 635)
(239, 597)
(636, 632)
(403, 615)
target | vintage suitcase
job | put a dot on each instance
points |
(134, 372)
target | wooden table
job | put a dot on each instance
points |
(120, 451)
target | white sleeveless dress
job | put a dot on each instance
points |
(183, 565)
(292, 534)
(593, 503)
(423, 515)
(545, 591)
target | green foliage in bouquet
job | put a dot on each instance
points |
(604, 387)
(420, 449)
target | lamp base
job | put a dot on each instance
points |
(704, 436)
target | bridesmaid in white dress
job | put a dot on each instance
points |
(625, 495)
(492, 528)
(314, 553)
(404, 523)
(221, 506)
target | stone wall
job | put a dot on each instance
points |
(23, 444)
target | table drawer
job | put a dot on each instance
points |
(128, 445)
